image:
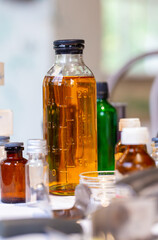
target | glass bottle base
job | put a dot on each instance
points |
(13, 200)
(63, 189)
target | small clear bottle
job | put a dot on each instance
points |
(154, 153)
(37, 168)
(13, 174)
(135, 157)
(124, 123)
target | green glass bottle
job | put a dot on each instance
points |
(107, 129)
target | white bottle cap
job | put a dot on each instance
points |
(128, 123)
(134, 136)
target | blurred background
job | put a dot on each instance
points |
(114, 31)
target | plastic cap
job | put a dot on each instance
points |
(37, 146)
(128, 123)
(4, 140)
(134, 136)
(155, 139)
(14, 145)
(102, 90)
(73, 46)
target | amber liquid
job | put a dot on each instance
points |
(13, 179)
(135, 158)
(69, 118)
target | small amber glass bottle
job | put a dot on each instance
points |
(13, 174)
(124, 123)
(135, 157)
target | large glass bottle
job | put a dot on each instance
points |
(13, 174)
(107, 129)
(69, 117)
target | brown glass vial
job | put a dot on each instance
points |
(13, 174)
(135, 156)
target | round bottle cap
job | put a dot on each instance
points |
(128, 123)
(4, 140)
(134, 136)
(155, 139)
(37, 146)
(73, 46)
(102, 90)
(14, 145)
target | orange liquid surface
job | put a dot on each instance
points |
(70, 128)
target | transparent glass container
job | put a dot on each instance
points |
(69, 117)
(102, 185)
(37, 169)
(154, 153)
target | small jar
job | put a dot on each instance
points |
(13, 174)
(102, 185)
(37, 168)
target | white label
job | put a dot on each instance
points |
(1, 73)
(6, 122)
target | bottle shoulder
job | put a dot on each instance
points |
(104, 105)
(8, 161)
(69, 69)
(134, 159)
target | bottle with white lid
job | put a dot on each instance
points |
(37, 168)
(135, 157)
(124, 123)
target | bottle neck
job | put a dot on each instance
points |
(137, 147)
(36, 156)
(69, 58)
(14, 154)
(102, 100)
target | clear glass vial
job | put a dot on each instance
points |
(37, 168)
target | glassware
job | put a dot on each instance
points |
(154, 154)
(135, 157)
(69, 117)
(106, 129)
(13, 174)
(36, 167)
(102, 185)
(124, 123)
